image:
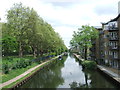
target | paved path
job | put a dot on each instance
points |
(114, 75)
(22, 75)
(78, 56)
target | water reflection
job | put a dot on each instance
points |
(93, 79)
(72, 71)
(68, 73)
(49, 77)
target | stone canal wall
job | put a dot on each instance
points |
(114, 77)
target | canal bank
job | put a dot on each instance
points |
(115, 77)
(23, 78)
(68, 73)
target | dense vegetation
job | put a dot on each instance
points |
(27, 38)
(82, 40)
(90, 65)
(25, 32)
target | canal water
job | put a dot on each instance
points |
(67, 73)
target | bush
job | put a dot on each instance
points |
(107, 64)
(13, 63)
(53, 54)
(5, 68)
(89, 64)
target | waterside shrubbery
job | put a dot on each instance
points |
(87, 64)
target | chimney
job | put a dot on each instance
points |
(119, 7)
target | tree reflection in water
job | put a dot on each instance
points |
(90, 81)
(62, 74)
(49, 77)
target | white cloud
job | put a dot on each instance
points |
(67, 18)
(65, 33)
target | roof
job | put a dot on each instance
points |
(115, 19)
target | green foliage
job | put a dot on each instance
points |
(13, 73)
(75, 85)
(91, 65)
(12, 63)
(9, 45)
(26, 32)
(5, 68)
(82, 39)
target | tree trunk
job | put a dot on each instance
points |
(34, 51)
(20, 50)
(42, 52)
(86, 79)
(85, 52)
(38, 52)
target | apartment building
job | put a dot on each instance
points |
(119, 41)
(97, 48)
(107, 46)
(111, 41)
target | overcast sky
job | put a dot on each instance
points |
(67, 16)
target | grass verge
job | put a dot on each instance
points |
(19, 80)
(13, 73)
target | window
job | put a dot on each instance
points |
(110, 53)
(115, 55)
(105, 52)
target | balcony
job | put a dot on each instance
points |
(113, 57)
(113, 38)
(112, 29)
(112, 26)
(102, 56)
(113, 47)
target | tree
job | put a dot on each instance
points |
(17, 19)
(83, 37)
(26, 32)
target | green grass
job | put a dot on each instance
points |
(13, 59)
(13, 66)
(12, 84)
(19, 80)
(14, 73)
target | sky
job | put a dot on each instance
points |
(67, 16)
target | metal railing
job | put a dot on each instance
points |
(114, 47)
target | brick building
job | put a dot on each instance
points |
(106, 48)
(111, 42)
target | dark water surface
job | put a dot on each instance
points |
(67, 73)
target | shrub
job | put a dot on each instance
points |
(13, 62)
(107, 64)
(14, 66)
(5, 68)
(89, 64)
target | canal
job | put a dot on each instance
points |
(67, 73)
